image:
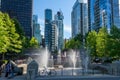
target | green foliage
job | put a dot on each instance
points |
(23, 38)
(104, 44)
(74, 43)
(9, 40)
(101, 42)
(114, 42)
(34, 43)
(19, 28)
(91, 42)
(15, 43)
(4, 39)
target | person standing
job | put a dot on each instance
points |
(11, 70)
(7, 69)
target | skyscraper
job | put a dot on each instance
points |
(59, 23)
(54, 37)
(48, 27)
(91, 14)
(22, 11)
(36, 29)
(79, 18)
(102, 14)
(115, 8)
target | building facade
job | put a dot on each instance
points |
(54, 37)
(22, 11)
(103, 13)
(91, 22)
(48, 28)
(115, 9)
(36, 29)
(60, 26)
(79, 17)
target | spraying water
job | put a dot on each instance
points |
(43, 58)
(73, 58)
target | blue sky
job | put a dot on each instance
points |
(64, 5)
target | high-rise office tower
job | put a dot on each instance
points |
(91, 14)
(79, 18)
(54, 37)
(102, 14)
(48, 27)
(115, 9)
(22, 11)
(36, 29)
(59, 23)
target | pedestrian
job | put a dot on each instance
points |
(7, 69)
(11, 69)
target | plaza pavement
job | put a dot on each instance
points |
(22, 77)
(104, 77)
(94, 77)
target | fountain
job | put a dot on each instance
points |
(86, 64)
(59, 57)
(43, 58)
(73, 58)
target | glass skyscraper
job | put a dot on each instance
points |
(115, 8)
(22, 11)
(91, 14)
(79, 18)
(48, 28)
(59, 22)
(54, 37)
(103, 13)
(36, 29)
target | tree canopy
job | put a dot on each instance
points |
(74, 43)
(9, 40)
(104, 44)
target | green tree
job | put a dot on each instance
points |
(23, 38)
(114, 42)
(9, 39)
(18, 28)
(34, 43)
(101, 42)
(74, 43)
(91, 42)
(15, 42)
(4, 39)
